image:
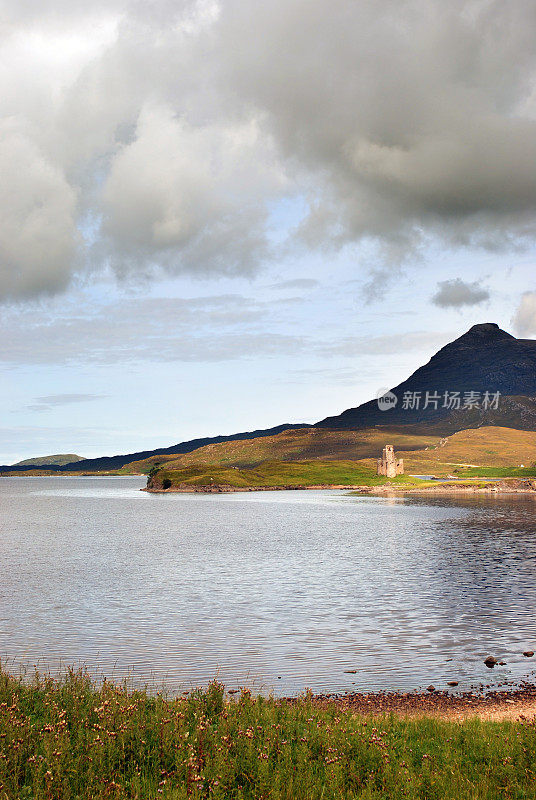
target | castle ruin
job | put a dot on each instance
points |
(389, 465)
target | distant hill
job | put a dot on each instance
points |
(107, 463)
(484, 360)
(59, 459)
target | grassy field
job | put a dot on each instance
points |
(488, 448)
(497, 472)
(67, 740)
(488, 452)
(299, 444)
(485, 447)
(274, 473)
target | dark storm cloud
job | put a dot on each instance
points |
(457, 293)
(394, 122)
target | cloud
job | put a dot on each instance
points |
(37, 227)
(296, 283)
(524, 321)
(46, 402)
(457, 293)
(393, 123)
(187, 196)
(203, 329)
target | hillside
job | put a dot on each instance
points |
(108, 463)
(344, 458)
(487, 447)
(485, 359)
(299, 444)
(59, 460)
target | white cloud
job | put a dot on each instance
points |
(49, 401)
(204, 329)
(37, 228)
(177, 125)
(524, 321)
(188, 197)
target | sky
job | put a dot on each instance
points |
(223, 216)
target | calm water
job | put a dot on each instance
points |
(249, 587)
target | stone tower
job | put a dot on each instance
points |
(388, 464)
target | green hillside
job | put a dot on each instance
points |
(60, 459)
(297, 444)
(271, 473)
(489, 451)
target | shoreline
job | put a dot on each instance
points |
(441, 488)
(223, 489)
(493, 704)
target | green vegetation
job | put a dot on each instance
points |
(486, 447)
(274, 473)
(496, 472)
(60, 459)
(147, 466)
(489, 446)
(67, 740)
(297, 444)
(489, 451)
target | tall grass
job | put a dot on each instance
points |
(69, 739)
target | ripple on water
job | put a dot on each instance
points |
(248, 587)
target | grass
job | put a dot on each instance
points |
(489, 448)
(68, 740)
(342, 457)
(496, 472)
(274, 473)
(298, 444)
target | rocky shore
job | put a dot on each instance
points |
(513, 486)
(495, 487)
(494, 704)
(219, 489)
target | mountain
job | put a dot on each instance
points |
(116, 462)
(59, 459)
(484, 360)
